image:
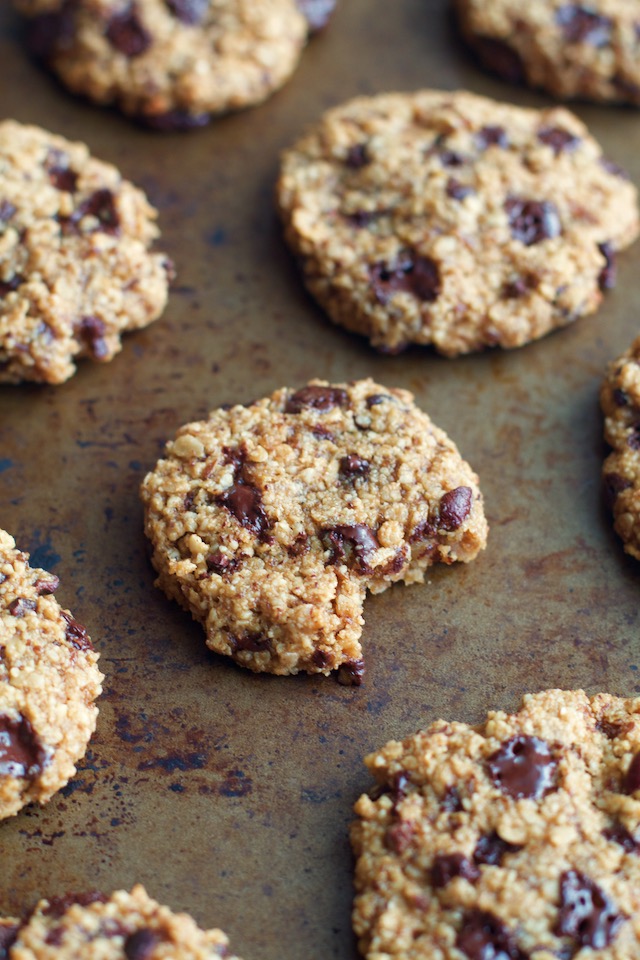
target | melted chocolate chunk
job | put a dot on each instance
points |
(607, 276)
(351, 544)
(491, 848)
(100, 205)
(127, 34)
(559, 139)
(411, 273)
(376, 398)
(362, 218)
(321, 432)
(620, 397)
(586, 914)
(501, 58)
(244, 501)
(580, 25)
(61, 176)
(58, 906)
(520, 287)
(446, 866)
(141, 944)
(21, 605)
(452, 801)
(451, 158)
(90, 331)
(317, 12)
(188, 11)
(457, 190)
(357, 156)
(492, 136)
(455, 507)
(7, 286)
(352, 466)
(300, 546)
(21, 753)
(51, 33)
(8, 936)
(523, 767)
(620, 835)
(7, 210)
(484, 937)
(532, 221)
(174, 120)
(351, 673)
(613, 729)
(220, 563)
(252, 642)
(321, 659)
(316, 398)
(400, 836)
(632, 776)
(76, 633)
(44, 587)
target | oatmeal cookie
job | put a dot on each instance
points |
(269, 522)
(49, 680)
(590, 51)
(449, 219)
(173, 63)
(124, 926)
(620, 399)
(76, 270)
(518, 839)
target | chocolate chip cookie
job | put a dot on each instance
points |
(124, 926)
(269, 522)
(518, 839)
(49, 680)
(76, 269)
(173, 63)
(590, 50)
(620, 399)
(449, 219)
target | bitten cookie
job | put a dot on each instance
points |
(173, 63)
(518, 839)
(452, 220)
(76, 270)
(620, 399)
(49, 680)
(590, 51)
(269, 522)
(124, 925)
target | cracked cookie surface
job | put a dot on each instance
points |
(76, 270)
(123, 926)
(269, 522)
(173, 63)
(518, 839)
(49, 681)
(453, 220)
(589, 51)
(620, 400)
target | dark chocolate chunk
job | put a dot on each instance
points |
(351, 673)
(141, 944)
(559, 139)
(410, 273)
(519, 287)
(244, 501)
(376, 398)
(220, 563)
(7, 210)
(90, 332)
(607, 276)
(58, 906)
(60, 174)
(633, 440)
(43, 586)
(76, 633)
(452, 802)
(532, 221)
(174, 120)
(580, 25)
(620, 397)
(362, 218)
(492, 136)
(299, 546)
(7, 286)
(252, 642)
(586, 913)
(316, 398)
(632, 776)
(51, 33)
(127, 34)
(501, 58)
(451, 158)
(188, 11)
(484, 937)
(8, 936)
(457, 190)
(491, 848)
(455, 507)
(320, 432)
(21, 605)
(21, 753)
(620, 835)
(613, 729)
(352, 466)
(317, 12)
(523, 767)
(446, 866)
(101, 205)
(322, 659)
(350, 544)
(357, 156)
(400, 836)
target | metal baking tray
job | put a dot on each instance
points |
(229, 794)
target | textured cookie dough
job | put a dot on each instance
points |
(49, 680)
(172, 63)
(449, 219)
(620, 399)
(269, 522)
(590, 51)
(518, 839)
(75, 266)
(125, 926)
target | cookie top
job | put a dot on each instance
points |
(49, 680)
(571, 50)
(171, 63)
(269, 522)
(620, 399)
(75, 266)
(518, 839)
(124, 925)
(449, 219)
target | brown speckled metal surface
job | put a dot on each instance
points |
(225, 793)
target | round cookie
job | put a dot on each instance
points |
(518, 839)
(124, 926)
(620, 400)
(172, 63)
(76, 270)
(269, 522)
(590, 50)
(449, 219)
(49, 680)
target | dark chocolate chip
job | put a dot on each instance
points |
(244, 501)
(492, 136)
(532, 221)
(351, 673)
(559, 139)
(21, 753)
(174, 120)
(452, 801)
(352, 466)
(300, 546)
(451, 158)
(58, 906)
(399, 837)
(220, 563)
(620, 397)
(498, 56)
(586, 914)
(252, 642)
(376, 398)
(614, 484)
(519, 287)
(76, 633)
(317, 12)
(51, 33)
(357, 156)
(580, 25)
(100, 205)
(523, 767)
(614, 729)
(446, 866)
(21, 605)
(607, 276)
(457, 190)
(60, 174)
(141, 944)
(362, 218)
(350, 544)
(320, 432)
(127, 34)
(484, 937)
(491, 848)
(322, 659)
(633, 440)
(8, 286)
(7, 210)
(189, 500)
(455, 507)
(620, 835)
(90, 331)
(188, 11)
(316, 397)
(43, 587)
(412, 274)
(632, 776)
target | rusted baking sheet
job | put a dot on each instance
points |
(225, 793)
